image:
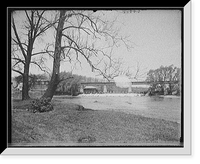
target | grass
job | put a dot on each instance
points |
(68, 126)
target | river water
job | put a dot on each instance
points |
(154, 107)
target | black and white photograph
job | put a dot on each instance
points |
(97, 78)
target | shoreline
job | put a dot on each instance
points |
(170, 96)
(111, 94)
(118, 95)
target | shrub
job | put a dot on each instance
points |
(41, 105)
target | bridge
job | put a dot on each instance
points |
(104, 87)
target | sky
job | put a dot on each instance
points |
(155, 37)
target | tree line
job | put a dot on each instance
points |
(69, 86)
(70, 83)
(170, 74)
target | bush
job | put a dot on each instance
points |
(41, 105)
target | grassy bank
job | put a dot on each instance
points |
(68, 126)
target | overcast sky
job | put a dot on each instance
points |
(155, 37)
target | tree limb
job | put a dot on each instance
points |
(33, 62)
(19, 42)
(43, 29)
(29, 19)
(38, 53)
(18, 61)
(93, 24)
(71, 40)
(17, 71)
(38, 21)
(81, 28)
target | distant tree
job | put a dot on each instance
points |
(32, 78)
(63, 86)
(70, 83)
(167, 73)
(74, 89)
(18, 79)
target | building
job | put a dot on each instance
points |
(90, 89)
(40, 85)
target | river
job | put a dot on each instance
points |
(154, 107)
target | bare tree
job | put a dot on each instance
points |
(117, 67)
(23, 44)
(57, 53)
(86, 35)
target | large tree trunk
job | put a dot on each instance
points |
(170, 89)
(25, 94)
(25, 87)
(56, 63)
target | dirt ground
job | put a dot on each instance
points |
(66, 125)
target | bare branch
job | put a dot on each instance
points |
(38, 21)
(92, 23)
(81, 28)
(18, 61)
(45, 51)
(51, 23)
(71, 40)
(18, 40)
(19, 43)
(17, 71)
(42, 69)
(39, 53)
(89, 62)
(29, 19)
(42, 30)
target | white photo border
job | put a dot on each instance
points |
(186, 150)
